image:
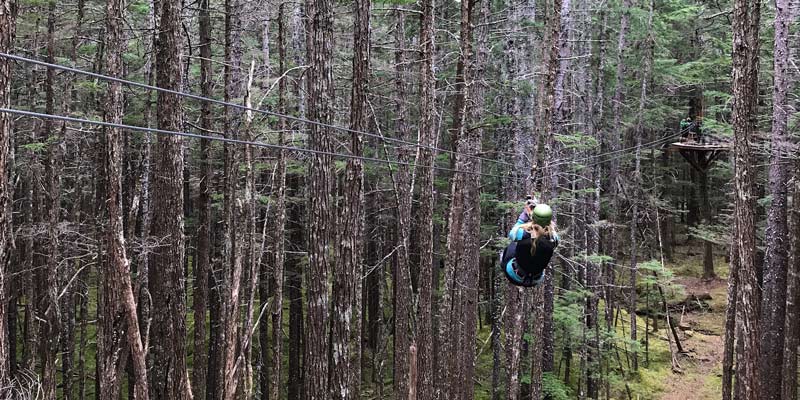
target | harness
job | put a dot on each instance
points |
(523, 268)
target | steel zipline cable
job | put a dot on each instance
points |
(385, 162)
(229, 140)
(596, 158)
(237, 106)
(615, 153)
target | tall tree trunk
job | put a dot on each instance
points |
(516, 299)
(635, 246)
(117, 276)
(423, 176)
(402, 185)
(730, 320)
(746, 17)
(514, 323)
(637, 183)
(234, 240)
(450, 317)
(7, 32)
(543, 327)
(242, 371)
(321, 97)
(776, 263)
(792, 330)
(294, 281)
(705, 211)
(142, 285)
(593, 270)
(278, 252)
(169, 376)
(612, 143)
(68, 300)
(346, 316)
(48, 311)
(204, 246)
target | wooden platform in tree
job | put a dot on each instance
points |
(700, 146)
(700, 155)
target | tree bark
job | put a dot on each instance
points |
(7, 33)
(792, 330)
(294, 294)
(278, 252)
(471, 147)
(423, 176)
(545, 137)
(347, 286)
(321, 95)
(234, 238)
(117, 276)
(294, 281)
(730, 320)
(708, 249)
(402, 287)
(169, 376)
(204, 247)
(47, 307)
(776, 263)
(637, 183)
(746, 16)
(453, 316)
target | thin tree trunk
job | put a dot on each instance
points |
(612, 143)
(204, 247)
(7, 32)
(776, 263)
(423, 176)
(321, 96)
(632, 298)
(470, 145)
(515, 323)
(362, 45)
(294, 281)
(68, 301)
(234, 240)
(746, 16)
(730, 316)
(117, 276)
(792, 337)
(543, 328)
(278, 229)
(242, 372)
(450, 317)
(637, 183)
(48, 311)
(294, 292)
(402, 184)
(169, 376)
(142, 286)
(708, 249)
(346, 316)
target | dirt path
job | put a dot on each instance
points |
(702, 338)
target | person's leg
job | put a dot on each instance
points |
(513, 273)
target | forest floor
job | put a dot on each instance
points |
(702, 331)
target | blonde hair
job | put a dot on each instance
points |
(536, 231)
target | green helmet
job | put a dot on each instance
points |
(542, 214)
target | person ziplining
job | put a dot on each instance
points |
(533, 241)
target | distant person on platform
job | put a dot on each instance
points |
(691, 130)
